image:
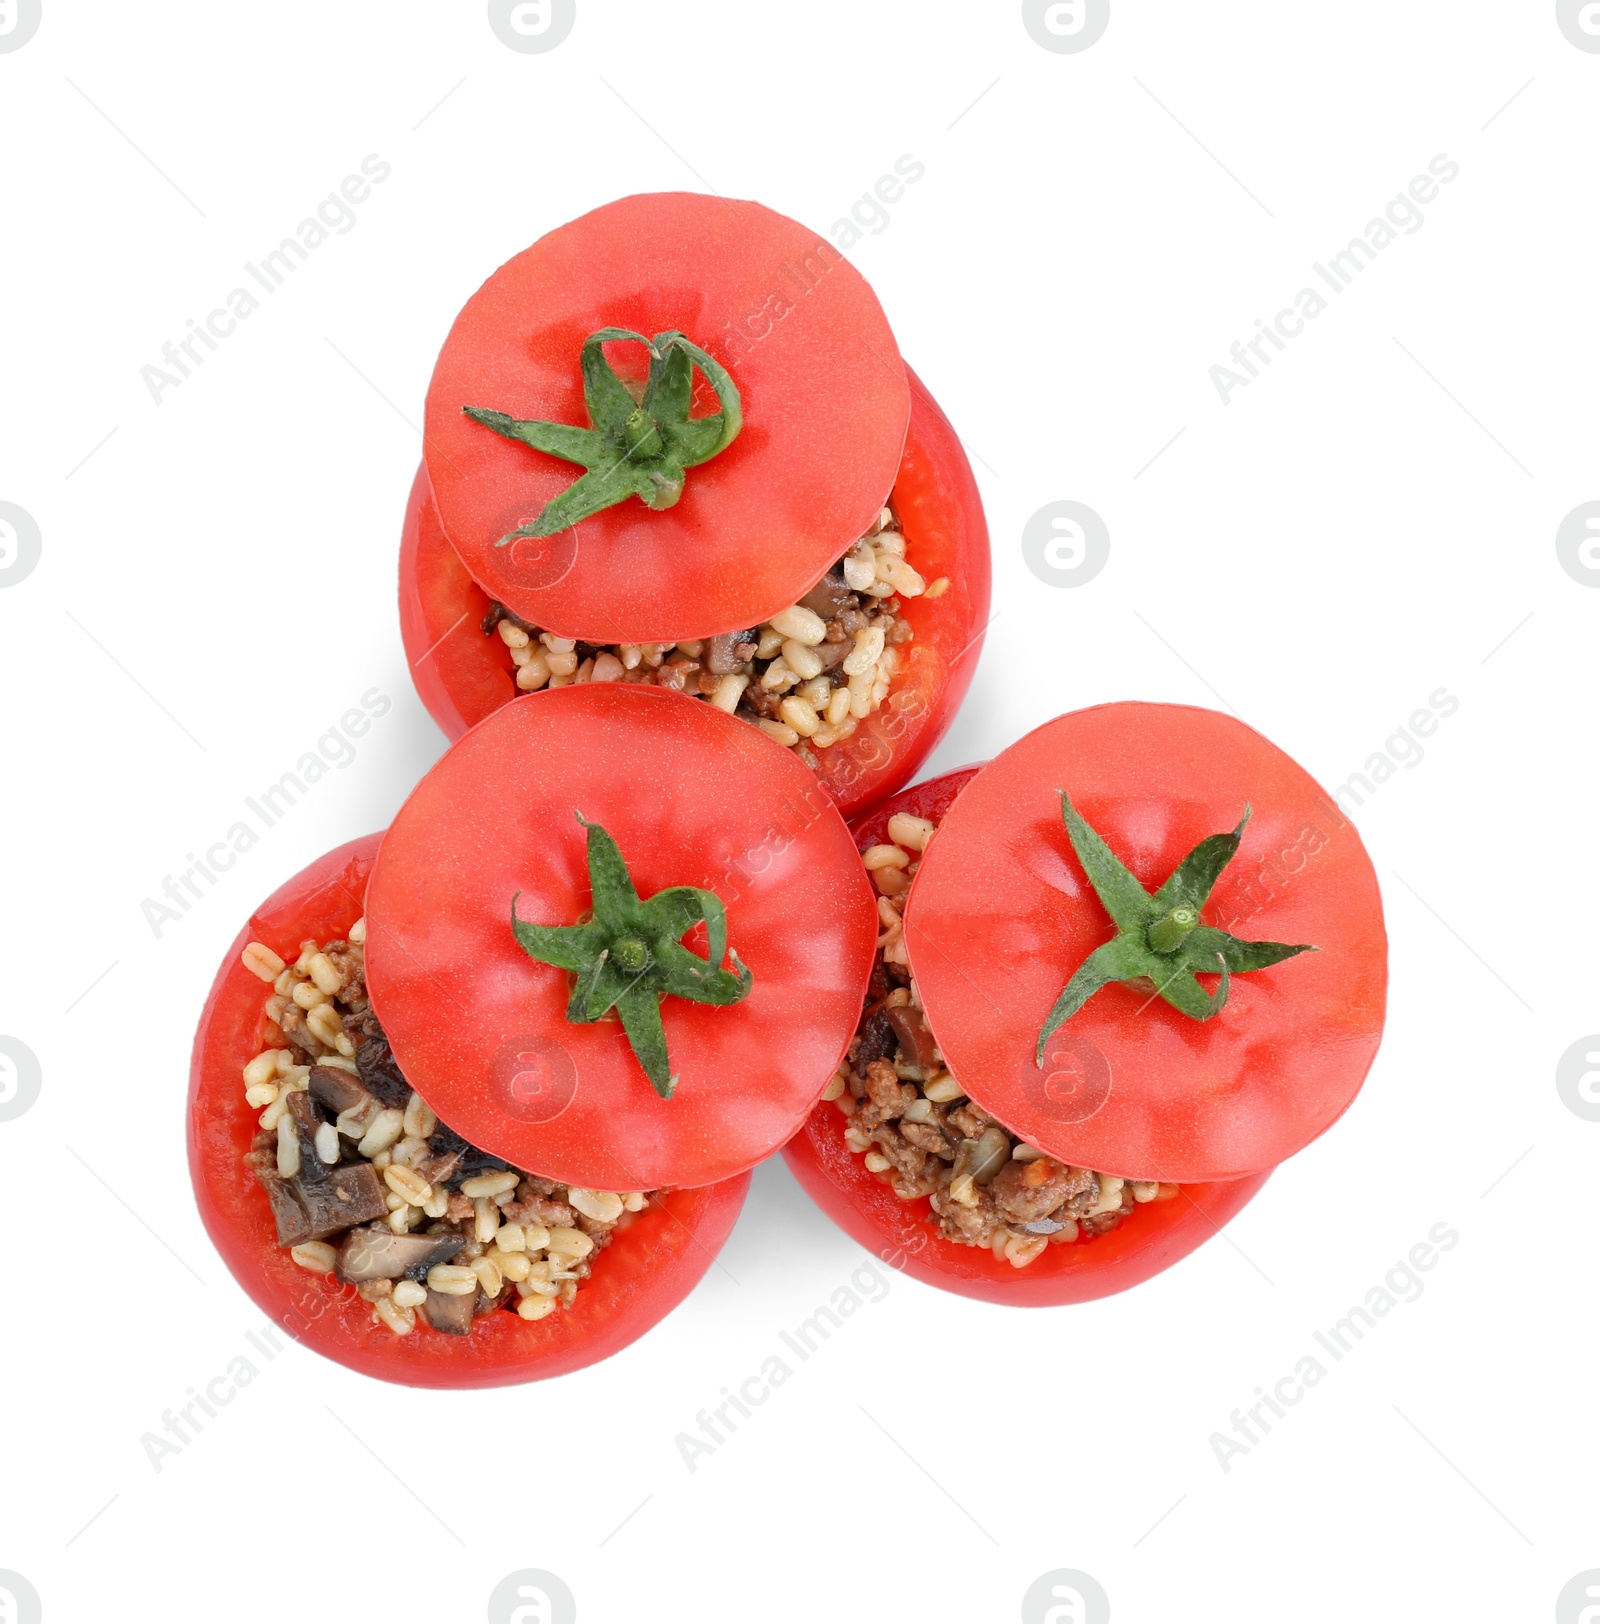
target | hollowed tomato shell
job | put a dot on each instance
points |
(462, 675)
(693, 797)
(1001, 914)
(824, 397)
(902, 1234)
(649, 1268)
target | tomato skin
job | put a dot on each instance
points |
(461, 675)
(1000, 916)
(898, 1232)
(825, 405)
(647, 1270)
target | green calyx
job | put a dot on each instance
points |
(629, 955)
(634, 447)
(1160, 939)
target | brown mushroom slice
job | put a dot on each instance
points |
(452, 1315)
(303, 1113)
(834, 654)
(982, 1159)
(729, 652)
(830, 595)
(312, 1210)
(380, 1254)
(288, 1213)
(350, 1194)
(911, 1030)
(336, 1088)
(376, 1063)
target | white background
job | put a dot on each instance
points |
(1372, 520)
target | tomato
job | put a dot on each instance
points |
(1001, 916)
(1156, 1236)
(821, 387)
(692, 797)
(462, 675)
(648, 1269)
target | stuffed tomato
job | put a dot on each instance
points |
(305, 1141)
(1044, 1102)
(475, 1103)
(776, 517)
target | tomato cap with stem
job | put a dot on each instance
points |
(1003, 913)
(698, 801)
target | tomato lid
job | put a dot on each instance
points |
(1003, 915)
(751, 500)
(511, 1032)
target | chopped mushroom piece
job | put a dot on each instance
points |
(375, 1061)
(306, 1118)
(830, 595)
(380, 1254)
(311, 1210)
(336, 1088)
(452, 1315)
(349, 1195)
(916, 1041)
(730, 652)
(451, 1159)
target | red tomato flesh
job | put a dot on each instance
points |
(647, 1270)
(462, 675)
(1001, 914)
(824, 396)
(693, 797)
(1154, 1237)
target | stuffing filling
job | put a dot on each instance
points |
(917, 1130)
(806, 678)
(367, 1184)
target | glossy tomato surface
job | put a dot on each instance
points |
(693, 797)
(902, 1233)
(649, 1268)
(824, 397)
(462, 675)
(1001, 914)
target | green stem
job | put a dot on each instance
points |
(632, 448)
(629, 955)
(1160, 939)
